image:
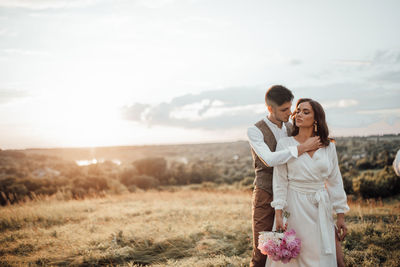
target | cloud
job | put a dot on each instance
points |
(393, 111)
(22, 52)
(388, 76)
(380, 57)
(295, 62)
(346, 106)
(136, 112)
(376, 128)
(353, 62)
(8, 95)
(199, 111)
(386, 66)
(390, 56)
(382, 66)
(351, 104)
(342, 103)
(160, 3)
(154, 3)
(345, 95)
(46, 4)
(216, 109)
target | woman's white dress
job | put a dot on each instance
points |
(310, 189)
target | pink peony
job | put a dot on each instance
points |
(263, 248)
(293, 244)
(286, 253)
(280, 246)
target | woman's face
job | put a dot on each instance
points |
(304, 115)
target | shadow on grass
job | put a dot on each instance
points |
(373, 244)
(38, 221)
(142, 252)
(371, 218)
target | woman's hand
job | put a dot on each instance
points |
(311, 144)
(279, 221)
(341, 227)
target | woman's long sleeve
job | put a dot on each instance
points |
(280, 183)
(334, 184)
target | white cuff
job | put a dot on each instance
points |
(293, 150)
(342, 210)
(278, 204)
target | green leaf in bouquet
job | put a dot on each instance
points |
(286, 214)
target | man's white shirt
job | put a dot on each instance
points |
(256, 140)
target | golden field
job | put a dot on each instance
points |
(186, 227)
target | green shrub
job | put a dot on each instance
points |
(247, 181)
(202, 172)
(364, 164)
(140, 181)
(154, 167)
(178, 174)
(384, 183)
(82, 186)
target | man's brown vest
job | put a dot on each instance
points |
(263, 173)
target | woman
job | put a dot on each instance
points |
(310, 188)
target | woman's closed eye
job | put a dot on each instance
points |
(304, 112)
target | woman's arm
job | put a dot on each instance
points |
(279, 186)
(336, 192)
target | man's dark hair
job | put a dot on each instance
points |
(277, 95)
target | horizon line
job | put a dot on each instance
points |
(173, 144)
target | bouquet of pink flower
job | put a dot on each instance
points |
(279, 246)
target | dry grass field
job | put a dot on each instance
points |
(159, 228)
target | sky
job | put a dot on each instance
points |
(79, 73)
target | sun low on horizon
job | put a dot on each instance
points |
(106, 73)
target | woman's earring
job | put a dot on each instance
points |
(315, 127)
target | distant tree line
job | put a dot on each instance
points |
(366, 167)
(18, 181)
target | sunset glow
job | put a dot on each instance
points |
(101, 73)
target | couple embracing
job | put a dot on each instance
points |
(297, 171)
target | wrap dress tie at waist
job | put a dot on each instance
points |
(325, 218)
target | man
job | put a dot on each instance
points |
(263, 137)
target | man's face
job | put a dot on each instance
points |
(282, 112)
